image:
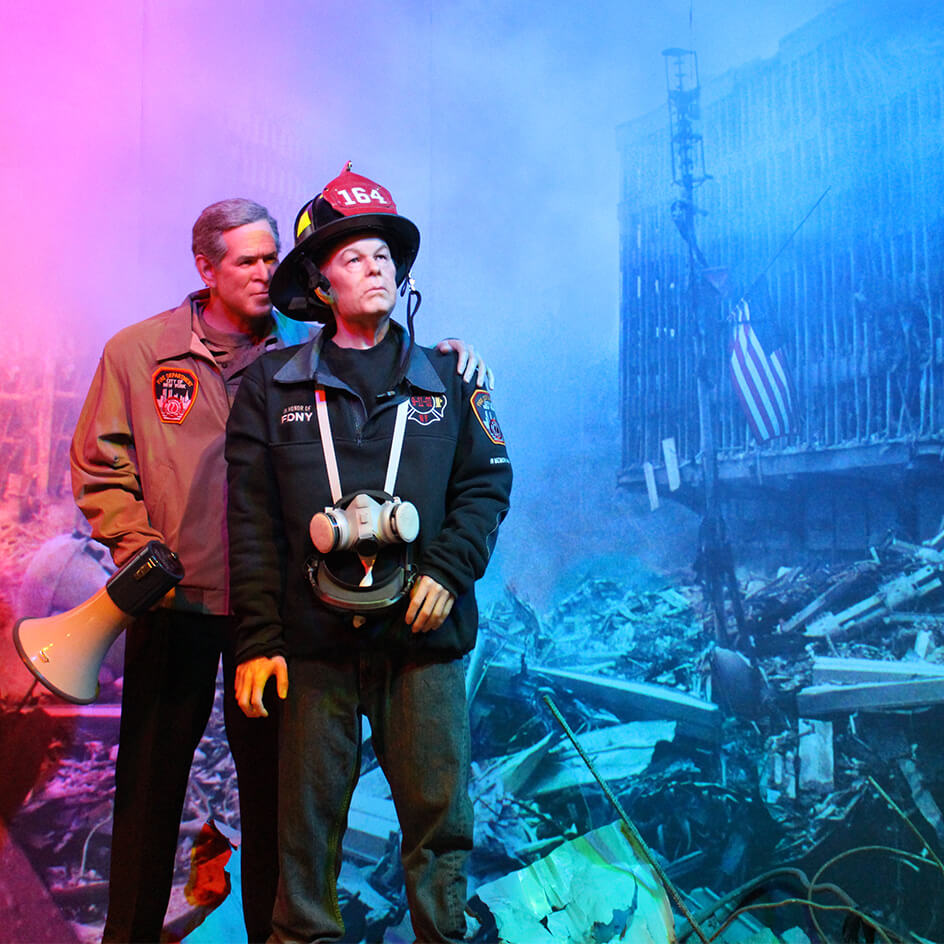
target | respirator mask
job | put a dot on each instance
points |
(362, 525)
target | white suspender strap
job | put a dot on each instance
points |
(327, 444)
(396, 447)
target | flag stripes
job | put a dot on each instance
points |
(761, 383)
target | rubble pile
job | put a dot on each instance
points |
(803, 762)
(64, 825)
(813, 746)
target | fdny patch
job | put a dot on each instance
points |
(300, 413)
(175, 389)
(425, 409)
(485, 414)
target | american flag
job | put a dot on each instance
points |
(762, 384)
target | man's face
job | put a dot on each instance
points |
(240, 280)
(363, 279)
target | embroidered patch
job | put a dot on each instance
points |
(426, 409)
(485, 414)
(175, 390)
(301, 413)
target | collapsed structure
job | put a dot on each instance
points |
(847, 113)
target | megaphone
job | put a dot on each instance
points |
(65, 652)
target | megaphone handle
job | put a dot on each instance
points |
(144, 578)
(26, 697)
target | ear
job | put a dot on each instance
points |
(206, 270)
(324, 293)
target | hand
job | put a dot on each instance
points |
(430, 604)
(251, 678)
(469, 362)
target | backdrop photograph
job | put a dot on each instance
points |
(640, 310)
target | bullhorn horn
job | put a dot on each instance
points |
(65, 652)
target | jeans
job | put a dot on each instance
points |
(420, 733)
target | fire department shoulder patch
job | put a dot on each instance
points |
(426, 409)
(485, 414)
(175, 389)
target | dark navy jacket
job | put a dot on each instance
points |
(454, 468)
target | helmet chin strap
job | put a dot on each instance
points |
(318, 286)
(409, 285)
(413, 302)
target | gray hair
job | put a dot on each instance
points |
(225, 215)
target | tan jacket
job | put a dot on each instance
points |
(147, 454)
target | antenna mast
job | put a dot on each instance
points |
(715, 560)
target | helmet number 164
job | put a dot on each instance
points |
(360, 195)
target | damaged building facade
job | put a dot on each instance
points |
(847, 113)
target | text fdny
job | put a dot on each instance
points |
(296, 414)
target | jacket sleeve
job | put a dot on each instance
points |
(477, 500)
(257, 547)
(105, 480)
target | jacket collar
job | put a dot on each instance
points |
(181, 334)
(306, 365)
(178, 337)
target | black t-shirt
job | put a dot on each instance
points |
(367, 371)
